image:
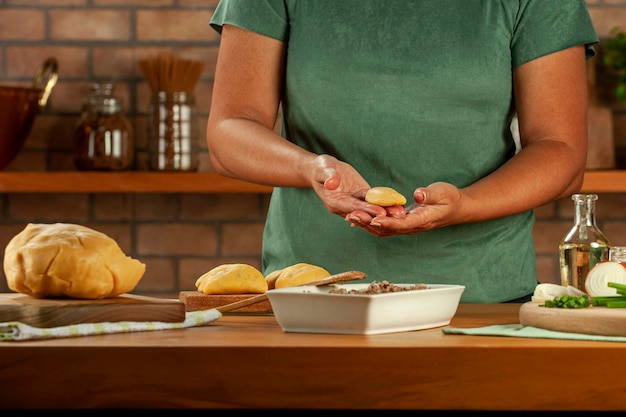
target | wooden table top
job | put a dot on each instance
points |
(249, 362)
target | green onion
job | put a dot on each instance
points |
(618, 287)
(604, 300)
(617, 304)
(568, 301)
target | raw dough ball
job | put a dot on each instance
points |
(272, 277)
(299, 274)
(68, 260)
(385, 197)
(232, 279)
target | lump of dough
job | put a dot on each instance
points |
(299, 274)
(68, 260)
(384, 197)
(271, 278)
(232, 279)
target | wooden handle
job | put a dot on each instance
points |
(331, 279)
(238, 304)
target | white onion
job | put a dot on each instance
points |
(575, 292)
(547, 291)
(596, 283)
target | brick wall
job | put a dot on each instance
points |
(180, 236)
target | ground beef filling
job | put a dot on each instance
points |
(380, 288)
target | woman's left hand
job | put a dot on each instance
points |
(434, 206)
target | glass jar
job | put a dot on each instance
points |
(618, 253)
(584, 245)
(104, 137)
(172, 132)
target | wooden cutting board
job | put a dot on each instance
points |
(593, 320)
(61, 312)
(195, 300)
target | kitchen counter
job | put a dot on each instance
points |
(248, 362)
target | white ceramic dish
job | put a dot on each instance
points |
(310, 309)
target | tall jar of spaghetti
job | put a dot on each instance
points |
(103, 137)
(173, 132)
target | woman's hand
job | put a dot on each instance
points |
(435, 206)
(340, 187)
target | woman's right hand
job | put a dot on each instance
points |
(340, 187)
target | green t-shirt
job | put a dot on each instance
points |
(409, 93)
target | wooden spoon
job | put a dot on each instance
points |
(331, 279)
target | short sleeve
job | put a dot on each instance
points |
(547, 26)
(266, 17)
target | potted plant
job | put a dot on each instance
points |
(614, 58)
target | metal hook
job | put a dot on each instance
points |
(49, 74)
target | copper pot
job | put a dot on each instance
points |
(18, 108)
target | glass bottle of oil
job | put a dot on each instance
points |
(584, 245)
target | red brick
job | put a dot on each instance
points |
(148, 3)
(174, 25)
(616, 232)
(548, 235)
(8, 232)
(69, 96)
(220, 206)
(606, 18)
(202, 3)
(114, 62)
(90, 24)
(160, 276)
(40, 3)
(52, 131)
(611, 206)
(242, 238)
(156, 206)
(61, 161)
(27, 161)
(113, 206)
(25, 61)
(548, 269)
(176, 239)
(22, 24)
(545, 211)
(48, 207)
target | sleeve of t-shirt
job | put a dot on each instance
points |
(265, 17)
(547, 26)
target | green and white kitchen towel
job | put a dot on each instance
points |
(519, 330)
(16, 331)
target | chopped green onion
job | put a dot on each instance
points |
(568, 301)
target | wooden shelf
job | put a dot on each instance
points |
(610, 181)
(123, 182)
(605, 181)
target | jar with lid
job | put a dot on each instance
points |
(618, 254)
(172, 131)
(584, 245)
(104, 137)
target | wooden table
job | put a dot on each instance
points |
(248, 362)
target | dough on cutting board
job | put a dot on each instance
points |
(298, 274)
(68, 260)
(232, 279)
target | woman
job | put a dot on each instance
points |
(417, 95)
